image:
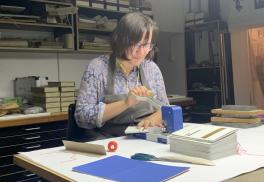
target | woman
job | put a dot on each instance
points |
(106, 101)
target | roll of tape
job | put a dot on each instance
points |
(112, 146)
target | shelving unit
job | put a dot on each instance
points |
(92, 31)
(53, 2)
(208, 68)
(67, 30)
(23, 30)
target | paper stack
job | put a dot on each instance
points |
(240, 116)
(46, 97)
(154, 134)
(67, 93)
(204, 141)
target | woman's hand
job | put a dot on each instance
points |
(131, 99)
(148, 122)
(151, 121)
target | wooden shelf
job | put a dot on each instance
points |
(201, 113)
(102, 10)
(205, 91)
(92, 12)
(82, 51)
(96, 30)
(86, 51)
(53, 2)
(34, 120)
(14, 23)
(28, 49)
(204, 67)
(206, 25)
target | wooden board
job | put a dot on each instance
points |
(235, 120)
(34, 120)
(235, 112)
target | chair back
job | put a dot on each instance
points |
(74, 132)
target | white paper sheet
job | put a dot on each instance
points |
(250, 157)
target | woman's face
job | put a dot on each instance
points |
(137, 53)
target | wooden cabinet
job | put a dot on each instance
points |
(208, 68)
(28, 137)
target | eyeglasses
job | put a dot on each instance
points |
(146, 46)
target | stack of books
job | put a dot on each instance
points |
(123, 6)
(204, 141)
(51, 44)
(96, 46)
(13, 43)
(67, 93)
(46, 97)
(240, 116)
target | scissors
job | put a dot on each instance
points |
(144, 157)
(173, 158)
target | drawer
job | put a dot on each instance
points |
(21, 176)
(5, 170)
(4, 151)
(37, 179)
(6, 160)
(29, 129)
(31, 138)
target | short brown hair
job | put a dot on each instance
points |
(130, 31)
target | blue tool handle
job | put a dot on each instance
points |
(144, 157)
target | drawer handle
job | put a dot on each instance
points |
(32, 147)
(30, 129)
(29, 175)
(32, 138)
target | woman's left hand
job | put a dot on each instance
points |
(150, 122)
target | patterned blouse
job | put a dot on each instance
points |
(90, 106)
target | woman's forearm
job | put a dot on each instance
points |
(114, 109)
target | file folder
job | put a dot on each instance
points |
(118, 168)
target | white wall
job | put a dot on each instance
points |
(170, 17)
(171, 60)
(248, 16)
(169, 14)
(58, 67)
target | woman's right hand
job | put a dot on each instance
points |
(142, 91)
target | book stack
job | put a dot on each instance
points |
(51, 44)
(96, 46)
(240, 116)
(204, 141)
(123, 6)
(67, 93)
(46, 97)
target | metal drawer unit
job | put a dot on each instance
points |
(27, 138)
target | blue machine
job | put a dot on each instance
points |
(172, 116)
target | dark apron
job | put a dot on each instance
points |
(117, 125)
